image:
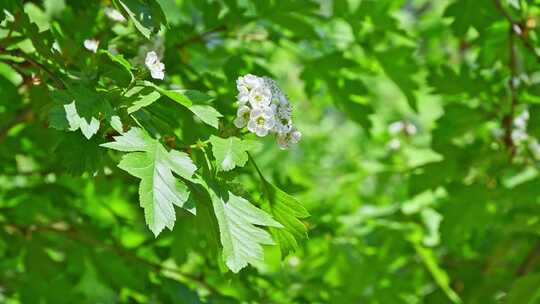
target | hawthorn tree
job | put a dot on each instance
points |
(198, 151)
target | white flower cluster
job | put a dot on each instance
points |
(265, 109)
(520, 138)
(397, 128)
(519, 131)
(519, 134)
(402, 126)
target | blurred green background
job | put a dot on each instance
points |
(418, 162)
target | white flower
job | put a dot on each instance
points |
(242, 116)
(402, 126)
(396, 127)
(394, 144)
(260, 97)
(155, 66)
(261, 121)
(114, 15)
(410, 128)
(156, 44)
(243, 95)
(250, 82)
(91, 45)
(283, 119)
(285, 140)
(283, 125)
(284, 110)
(519, 135)
(520, 121)
(283, 100)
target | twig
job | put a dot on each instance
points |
(74, 235)
(18, 53)
(530, 261)
(200, 37)
(520, 25)
(509, 118)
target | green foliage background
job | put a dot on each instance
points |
(446, 213)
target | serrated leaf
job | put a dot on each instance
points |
(88, 128)
(78, 155)
(288, 211)
(229, 152)
(116, 124)
(470, 13)
(143, 99)
(133, 140)
(241, 240)
(398, 65)
(194, 101)
(115, 67)
(207, 114)
(159, 190)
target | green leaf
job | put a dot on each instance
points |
(144, 97)
(398, 64)
(194, 101)
(525, 290)
(470, 13)
(146, 15)
(207, 114)
(131, 141)
(533, 127)
(288, 211)
(439, 275)
(241, 240)
(230, 152)
(88, 128)
(79, 155)
(116, 124)
(115, 67)
(159, 190)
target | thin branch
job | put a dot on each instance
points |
(508, 119)
(73, 234)
(200, 37)
(530, 261)
(18, 53)
(514, 24)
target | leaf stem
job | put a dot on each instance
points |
(263, 180)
